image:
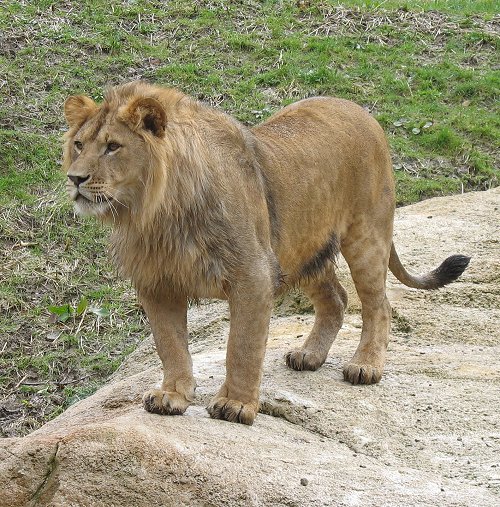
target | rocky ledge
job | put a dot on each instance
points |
(428, 434)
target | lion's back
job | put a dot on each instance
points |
(326, 161)
(318, 120)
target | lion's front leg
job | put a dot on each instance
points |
(250, 305)
(168, 318)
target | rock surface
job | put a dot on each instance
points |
(427, 435)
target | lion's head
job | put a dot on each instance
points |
(114, 152)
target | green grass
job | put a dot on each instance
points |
(452, 6)
(427, 70)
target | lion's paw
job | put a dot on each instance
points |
(161, 402)
(300, 359)
(362, 373)
(233, 410)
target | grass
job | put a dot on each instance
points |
(427, 70)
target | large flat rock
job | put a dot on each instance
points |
(428, 434)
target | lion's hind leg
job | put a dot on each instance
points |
(330, 300)
(368, 259)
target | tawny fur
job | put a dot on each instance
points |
(202, 206)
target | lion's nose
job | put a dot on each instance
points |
(78, 180)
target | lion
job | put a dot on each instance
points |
(202, 206)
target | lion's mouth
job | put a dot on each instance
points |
(98, 199)
(99, 205)
(81, 198)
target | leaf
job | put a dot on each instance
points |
(60, 313)
(415, 131)
(60, 310)
(400, 122)
(100, 312)
(427, 125)
(64, 316)
(82, 306)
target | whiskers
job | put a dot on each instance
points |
(114, 211)
(119, 202)
(111, 200)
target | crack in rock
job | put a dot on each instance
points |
(47, 489)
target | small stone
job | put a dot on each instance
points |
(304, 481)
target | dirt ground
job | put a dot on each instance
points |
(428, 434)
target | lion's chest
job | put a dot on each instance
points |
(177, 262)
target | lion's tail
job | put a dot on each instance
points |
(450, 269)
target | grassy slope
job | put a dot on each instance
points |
(431, 66)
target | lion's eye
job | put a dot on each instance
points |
(113, 146)
(78, 145)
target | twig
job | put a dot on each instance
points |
(81, 323)
(66, 382)
(21, 381)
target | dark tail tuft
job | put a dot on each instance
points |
(449, 270)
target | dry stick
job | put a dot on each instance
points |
(81, 322)
(21, 381)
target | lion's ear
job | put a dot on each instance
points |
(145, 113)
(77, 109)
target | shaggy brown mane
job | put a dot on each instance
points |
(183, 224)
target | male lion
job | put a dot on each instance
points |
(204, 207)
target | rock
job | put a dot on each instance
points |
(355, 445)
